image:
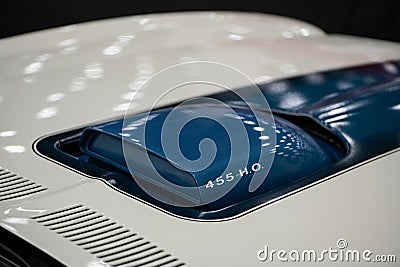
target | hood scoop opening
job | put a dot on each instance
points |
(133, 159)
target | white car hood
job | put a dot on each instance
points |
(69, 77)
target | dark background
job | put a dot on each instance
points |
(377, 19)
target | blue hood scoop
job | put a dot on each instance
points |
(292, 152)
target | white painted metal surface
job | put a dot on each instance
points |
(72, 76)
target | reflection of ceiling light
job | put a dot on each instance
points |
(121, 107)
(304, 32)
(55, 97)
(67, 42)
(396, 107)
(94, 70)
(249, 122)
(16, 220)
(78, 84)
(33, 68)
(135, 95)
(287, 34)
(8, 133)
(234, 116)
(216, 17)
(292, 99)
(391, 68)
(278, 87)
(258, 129)
(337, 118)
(117, 46)
(150, 27)
(126, 37)
(262, 79)
(128, 96)
(44, 57)
(112, 50)
(28, 80)
(235, 37)
(144, 21)
(136, 85)
(47, 113)
(15, 149)
(343, 85)
(288, 68)
(69, 50)
(263, 137)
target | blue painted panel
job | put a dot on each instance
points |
(297, 153)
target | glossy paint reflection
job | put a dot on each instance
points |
(15, 149)
(47, 113)
(303, 94)
(8, 133)
(36, 66)
(33, 68)
(78, 84)
(125, 53)
(55, 97)
(94, 70)
(117, 46)
(68, 46)
(23, 221)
